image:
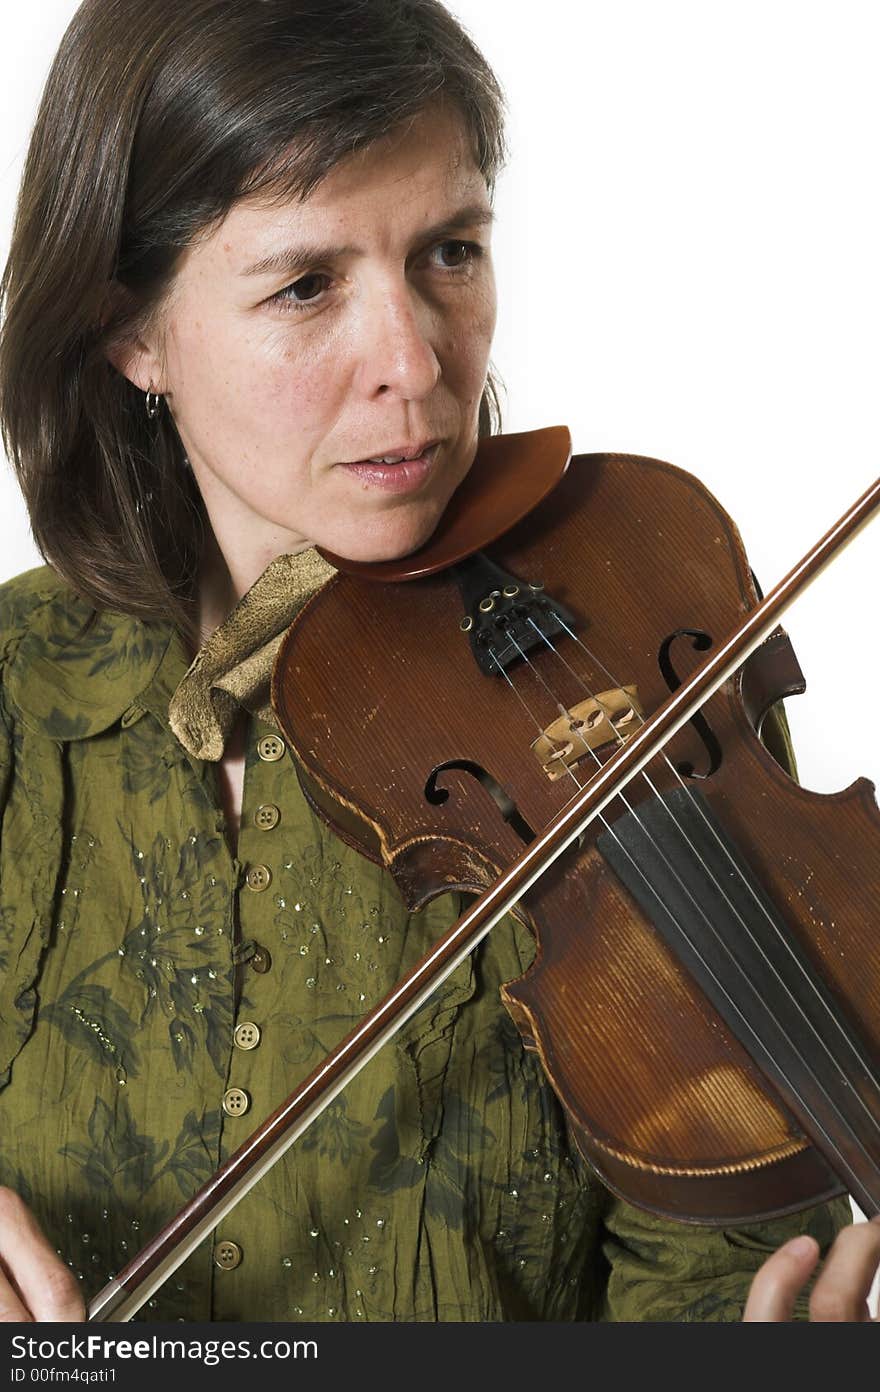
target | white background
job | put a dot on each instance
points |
(687, 258)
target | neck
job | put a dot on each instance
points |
(222, 583)
(218, 594)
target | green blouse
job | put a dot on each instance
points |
(160, 996)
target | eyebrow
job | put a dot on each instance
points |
(289, 260)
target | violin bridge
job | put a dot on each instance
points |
(608, 718)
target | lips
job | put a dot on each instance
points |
(396, 454)
(409, 474)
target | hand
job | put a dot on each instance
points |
(842, 1288)
(35, 1284)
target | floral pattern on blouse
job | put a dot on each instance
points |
(440, 1185)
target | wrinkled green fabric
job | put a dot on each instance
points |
(440, 1185)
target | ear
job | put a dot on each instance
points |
(140, 363)
(134, 353)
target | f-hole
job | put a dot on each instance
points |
(700, 642)
(507, 807)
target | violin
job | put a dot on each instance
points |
(551, 717)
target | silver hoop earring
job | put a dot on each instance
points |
(153, 406)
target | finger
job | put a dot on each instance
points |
(843, 1287)
(781, 1279)
(12, 1308)
(36, 1284)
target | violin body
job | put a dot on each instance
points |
(379, 694)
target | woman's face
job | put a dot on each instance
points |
(304, 339)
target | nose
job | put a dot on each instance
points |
(397, 354)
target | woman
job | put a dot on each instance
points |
(248, 310)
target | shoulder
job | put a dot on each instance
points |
(68, 669)
(21, 599)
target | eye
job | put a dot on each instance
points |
(455, 254)
(303, 292)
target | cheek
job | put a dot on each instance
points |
(204, 372)
(305, 381)
(472, 340)
(249, 383)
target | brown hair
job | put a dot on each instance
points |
(157, 115)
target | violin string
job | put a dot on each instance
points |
(540, 728)
(798, 965)
(832, 1146)
(780, 937)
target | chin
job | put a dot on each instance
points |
(367, 549)
(375, 542)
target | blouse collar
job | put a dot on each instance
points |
(77, 671)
